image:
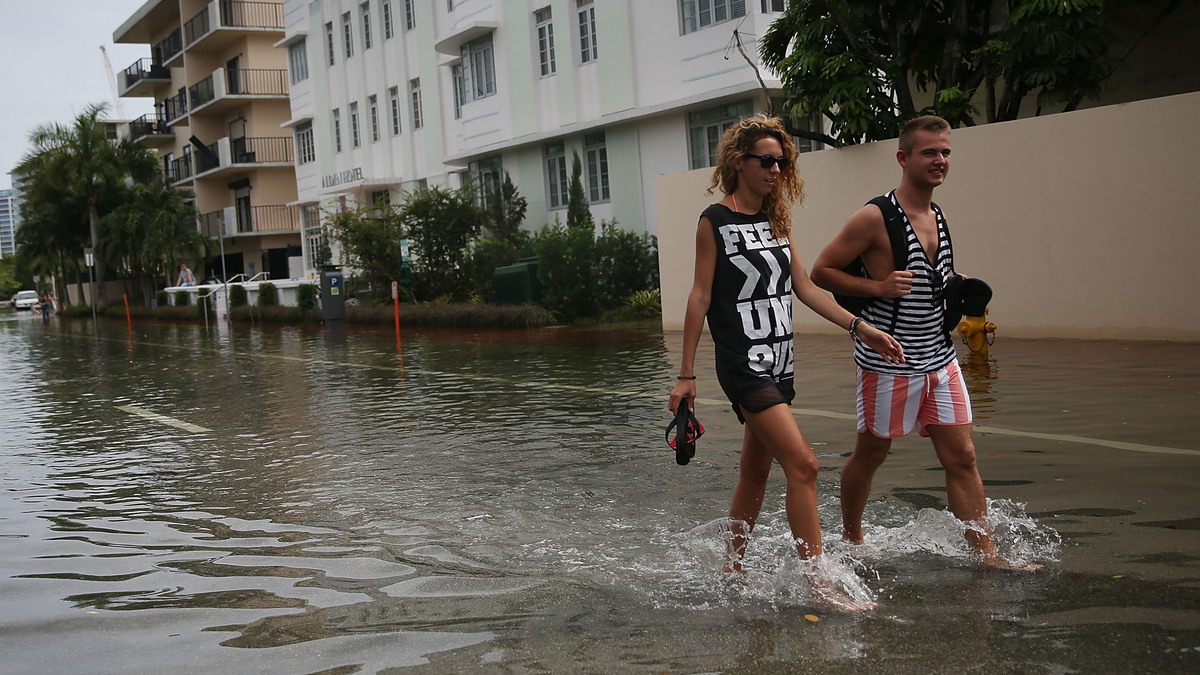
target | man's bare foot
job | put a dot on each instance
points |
(829, 596)
(857, 541)
(999, 564)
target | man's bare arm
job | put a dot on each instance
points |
(863, 235)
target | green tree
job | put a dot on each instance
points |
(566, 257)
(81, 159)
(149, 234)
(857, 63)
(626, 262)
(441, 224)
(506, 212)
(579, 213)
(370, 239)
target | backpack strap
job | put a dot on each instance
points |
(893, 221)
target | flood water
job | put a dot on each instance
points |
(176, 499)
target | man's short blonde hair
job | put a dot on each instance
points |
(924, 123)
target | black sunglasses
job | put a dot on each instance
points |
(768, 161)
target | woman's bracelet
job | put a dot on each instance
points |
(854, 326)
(685, 377)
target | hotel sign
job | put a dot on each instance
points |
(347, 176)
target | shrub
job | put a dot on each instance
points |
(306, 296)
(268, 295)
(565, 270)
(162, 298)
(182, 298)
(238, 296)
(625, 264)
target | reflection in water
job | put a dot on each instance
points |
(504, 497)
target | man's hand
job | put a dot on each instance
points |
(898, 283)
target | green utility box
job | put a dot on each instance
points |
(518, 284)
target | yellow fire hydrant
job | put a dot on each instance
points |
(975, 332)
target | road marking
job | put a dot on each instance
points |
(163, 419)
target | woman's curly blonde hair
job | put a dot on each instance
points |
(738, 141)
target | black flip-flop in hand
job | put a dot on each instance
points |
(687, 430)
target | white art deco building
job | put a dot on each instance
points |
(389, 96)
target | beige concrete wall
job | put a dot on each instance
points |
(1084, 223)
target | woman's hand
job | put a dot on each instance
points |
(883, 344)
(683, 389)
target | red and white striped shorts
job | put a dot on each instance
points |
(889, 406)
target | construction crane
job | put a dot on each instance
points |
(118, 106)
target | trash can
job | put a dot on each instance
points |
(333, 297)
(517, 284)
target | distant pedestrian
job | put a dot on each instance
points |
(186, 278)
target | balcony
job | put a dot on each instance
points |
(175, 108)
(179, 170)
(151, 130)
(223, 21)
(233, 221)
(228, 154)
(170, 47)
(144, 78)
(227, 89)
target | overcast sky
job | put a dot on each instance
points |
(51, 66)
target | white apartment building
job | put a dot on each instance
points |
(389, 96)
(8, 223)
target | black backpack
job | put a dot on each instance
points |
(893, 220)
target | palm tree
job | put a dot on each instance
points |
(82, 159)
(150, 232)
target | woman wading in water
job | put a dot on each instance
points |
(746, 273)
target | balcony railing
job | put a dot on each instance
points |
(244, 219)
(237, 14)
(144, 69)
(181, 169)
(196, 27)
(202, 92)
(170, 47)
(268, 150)
(254, 82)
(150, 124)
(175, 107)
(209, 158)
(268, 219)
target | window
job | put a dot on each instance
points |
(414, 96)
(597, 166)
(373, 112)
(556, 174)
(485, 174)
(385, 9)
(348, 34)
(545, 38)
(772, 6)
(479, 69)
(337, 130)
(355, 136)
(410, 15)
(460, 88)
(697, 14)
(394, 103)
(365, 9)
(587, 31)
(329, 43)
(306, 150)
(706, 126)
(298, 61)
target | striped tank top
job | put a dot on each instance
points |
(919, 324)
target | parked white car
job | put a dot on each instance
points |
(26, 299)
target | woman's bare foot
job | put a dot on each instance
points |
(829, 596)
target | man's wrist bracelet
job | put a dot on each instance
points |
(685, 377)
